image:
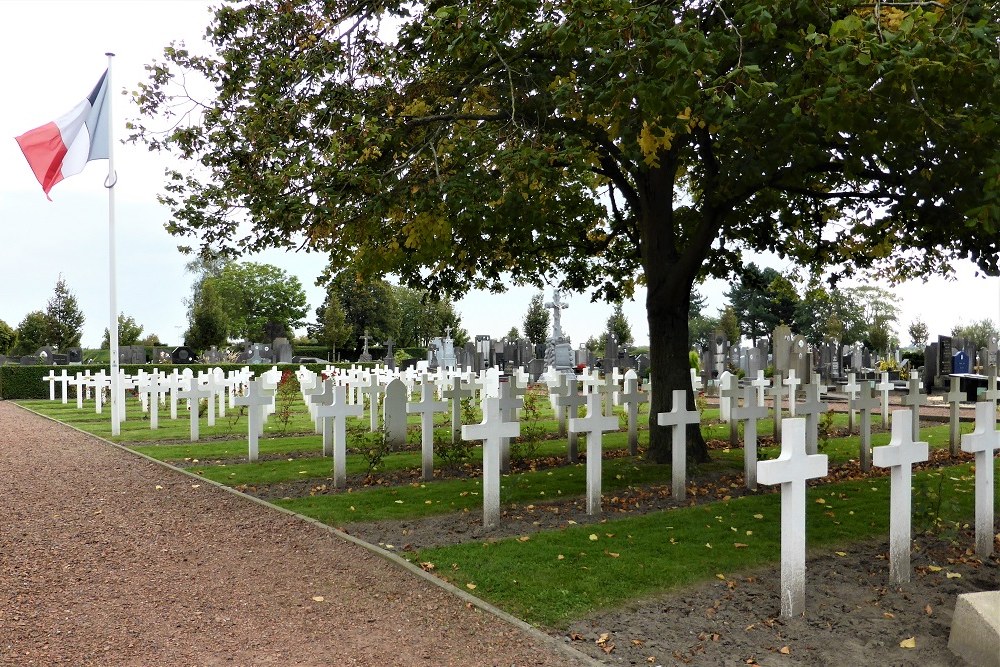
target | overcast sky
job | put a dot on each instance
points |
(54, 54)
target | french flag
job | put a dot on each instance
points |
(63, 147)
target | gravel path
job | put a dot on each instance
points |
(108, 559)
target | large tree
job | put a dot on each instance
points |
(369, 306)
(129, 332)
(593, 143)
(423, 317)
(536, 320)
(32, 333)
(7, 337)
(260, 301)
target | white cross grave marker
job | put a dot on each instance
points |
(491, 431)
(679, 417)
(791, 469)
(51, 379)
(456, 393)
(255, 399)
(750, 413)
(729, 399)
(914, 399)
(509, 405)
(761, 384)
(194, 394)
(852, 388)
(570, 401)
(811, 409)
(593, 425)
(900, 455)
(954, 397)
(335, 417)
(865, 402)
(631, 397)
(982, 442)
(373, 389)
(884, 386)
(426, 407)
(792, 383)
(778, 393)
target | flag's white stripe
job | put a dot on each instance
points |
(75, 137)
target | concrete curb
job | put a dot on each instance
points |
(542, 637)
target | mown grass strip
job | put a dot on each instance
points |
(556, 576)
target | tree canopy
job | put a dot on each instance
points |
(536, 320)
(259, 302)
(129, 332)
(591, 143)
(63, 317)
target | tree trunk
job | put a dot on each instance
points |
(669, 370)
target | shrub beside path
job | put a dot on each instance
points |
(109, 559)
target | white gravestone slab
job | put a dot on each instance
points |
(631, 398)
(491, 431)
(255, 399)
(866, 402)
(336, 415)
(394, 413)
(900, 455)
(695, 381)
(726, 397)
(456, 393)
(426, 407)
(570, 401)
(750, 413)
(678, 418)
(778, 393)
(324, 396)
(983, 442)
(913, 400)
(791, 469)
(593, 426)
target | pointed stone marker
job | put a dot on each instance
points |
(593, 426)
(394, 413)
(866, 402)
(335, 417)
(255, 399)
(900, 455)
(426, 407)
(750, 413)
(678, 418)
(791, 469)
(491, 431)
(983, 442)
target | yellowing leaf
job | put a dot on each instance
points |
(708, 544)
(758, 516)
(613, 554)
(840, 553)
(933, 568)
(399, 502)
(523, 538)
(720, 576)
(159, 488)
(560, 557)
(821, 501)
(593, 537)
(908, 643)
(427, 566)
(740, 545)
(318, 598)
(953, 575)
(784, 650)
(471, 586)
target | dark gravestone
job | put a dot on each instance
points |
(282, 351)
(535, 368)
(74, 355)
(610, 353)
(60, 359)
(183, 355)
(960, 362)
(29, 360)
(642, 365)
(390, 358)
(945, 352)
(44, 355)
(931, 364)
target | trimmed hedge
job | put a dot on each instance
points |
(28, 382)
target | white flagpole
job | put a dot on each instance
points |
(116, 409)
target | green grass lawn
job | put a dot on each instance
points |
(553, 577)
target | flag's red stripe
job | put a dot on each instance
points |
(44, 149)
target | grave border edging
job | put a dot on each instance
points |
(539, 635)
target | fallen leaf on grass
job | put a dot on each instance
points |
(908, 643)
(758, 516)
(821, 501)
(933, 568)
(888, 614)
(427, 566)
(612, 554)
(523, 538)
(740, 545)
(593, 537)
(560, 557)
(471, 586)
(840, 553)
(784, 650)
(318, 598)
(708, 544)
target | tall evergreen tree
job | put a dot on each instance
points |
(618, 326)
(63, 317)
(536, 320)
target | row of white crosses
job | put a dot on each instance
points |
(795, 466)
